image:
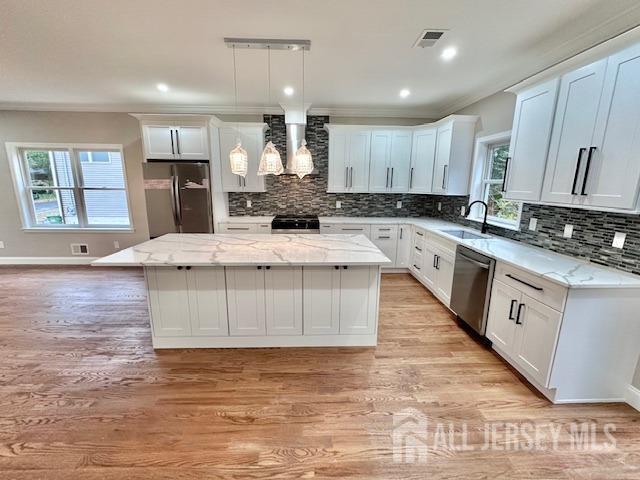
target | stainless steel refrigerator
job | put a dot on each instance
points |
(178, 197)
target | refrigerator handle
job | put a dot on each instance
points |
(177, 201)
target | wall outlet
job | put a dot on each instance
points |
(399, 204)
(619, 239)
(439, 205)
(463, 210)
(116, 244)
(79, 249)
(248, 203)
(338, 204)
(1, 244)
(533, 224)
(568, 231)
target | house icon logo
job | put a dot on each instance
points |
(410, 436)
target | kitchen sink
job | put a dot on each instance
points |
(464, 234)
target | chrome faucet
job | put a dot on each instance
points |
(486, 209)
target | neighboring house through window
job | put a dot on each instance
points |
(489, 173)
(70, 186)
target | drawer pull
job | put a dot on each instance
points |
(539, 289)
(418, 248)
(383, 237)
(416, 267)
(353, 229)
(384, 229)
(237, 228)
(420, 233)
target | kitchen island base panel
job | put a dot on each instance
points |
(267, 342)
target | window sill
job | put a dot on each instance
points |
(78, 230)
(506, 226)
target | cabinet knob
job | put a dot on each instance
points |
(180, 268)
(268, 267)
(188, 268)
(345, 267)
(337, 267)
(259, 267)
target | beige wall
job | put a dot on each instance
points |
(496, 113)
(67, 127)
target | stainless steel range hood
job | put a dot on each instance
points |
(295, 120)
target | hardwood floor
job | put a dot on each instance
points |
(83, 395)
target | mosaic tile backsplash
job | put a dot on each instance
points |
(288, 194)
(592, 235)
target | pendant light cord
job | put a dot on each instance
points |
(268, 76)
(235, 92)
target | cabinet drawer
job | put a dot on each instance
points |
(419, 238)
(444, 245)
(354, 229)
(384, 232)
(239, 228)
(540, 289)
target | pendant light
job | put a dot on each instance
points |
(303, 164)
(270, 161)
(238, 157)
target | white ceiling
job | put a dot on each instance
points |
(109, 55)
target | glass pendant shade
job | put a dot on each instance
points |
(270, 162)
(303, 161)
(239, 160)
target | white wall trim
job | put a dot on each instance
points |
(79, 260)
(633, 397)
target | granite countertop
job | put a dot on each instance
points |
(561, 269)
(249, 249)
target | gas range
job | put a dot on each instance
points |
(295, 224)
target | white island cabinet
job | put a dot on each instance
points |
(258, 290)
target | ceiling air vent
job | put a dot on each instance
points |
(428, 38)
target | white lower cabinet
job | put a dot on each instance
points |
(283, 300)
(403, 250)
(385, 237)
(444, 276)
(321, 300)
(357, 304)
(524, 329)
(432, 264)
(246, 300)
(187, 302)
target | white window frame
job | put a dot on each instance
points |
(479, 180)
(23, 190)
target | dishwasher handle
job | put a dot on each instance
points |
(475, 262)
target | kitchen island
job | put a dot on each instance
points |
(219, 291)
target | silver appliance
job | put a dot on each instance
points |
(295, 224)
(178, 197)
(472, 278)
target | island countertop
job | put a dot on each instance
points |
(248, 249)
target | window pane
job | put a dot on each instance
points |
(106, 207)
(54, 207)
(102, 169)
(49, 168)
(499, 207)
(499, 154)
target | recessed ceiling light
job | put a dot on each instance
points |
(288, 91)
(448, 53)
(404, 93)
(163, 87)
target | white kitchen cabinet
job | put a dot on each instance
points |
(321, 300)
(168, 141)
(243, 227)
(246, 300)
(400, 161)
(501, 328)
(454, 148)
(168, 301)
(423, 154)
(346, 229)
(349, 154)
(530, 135)
(252, 138)
(390, 161)
(283, 300)
(403, 251)
(432, 263)
(357, 304)
(207, 301)
(444, 275)
(385, 237)
(612, 178)
(573, 129)
(428, 271)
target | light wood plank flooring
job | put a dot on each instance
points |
(83, 395)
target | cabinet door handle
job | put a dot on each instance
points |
(539, 289)
(416, 267)
(346, 177)
(391, 177)
(400, 233)
(444, 177)
(435, 261)
(504, 178)
(351, 177)
(178, 142)
(583, 191)
(518, 321)
(418, 248)
(575, 177)
(173, 152)
(386, 183)
(411, 178)
(513, 304)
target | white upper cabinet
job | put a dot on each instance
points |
(390, 160)
(530, 136)
(454, 149)
(349, 153)
(252, 138)
(613, 175)
(170, 141)
(422, 159)
(573, 130)
(444, 135)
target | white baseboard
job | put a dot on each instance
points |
(79, 260)
(633, 397)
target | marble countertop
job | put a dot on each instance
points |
(249, 249)
(561, 269)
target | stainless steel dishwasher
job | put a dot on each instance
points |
(472, 278)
